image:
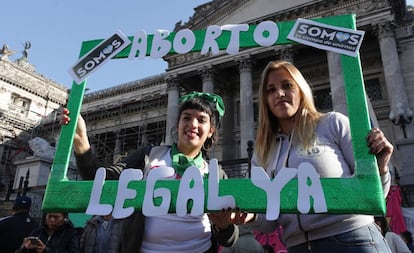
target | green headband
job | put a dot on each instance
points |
(212, 98)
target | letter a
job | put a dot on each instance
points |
(185, 192)
(306, 172)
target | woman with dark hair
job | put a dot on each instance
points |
(57, 235)
(395, 241)
(408, 239)
(199, 117)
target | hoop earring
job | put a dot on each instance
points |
(208, 143)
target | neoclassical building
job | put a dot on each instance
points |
(129, 115)
(28, 100)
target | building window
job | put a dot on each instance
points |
(323, 99)
(19, 104)
(373, 89)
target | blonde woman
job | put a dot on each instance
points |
(291, 131)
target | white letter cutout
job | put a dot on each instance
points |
(192, 175)
(271, 28)
(139, 43)
(212, 33)
(160, 46)
(308, 172)
(234, 43)
(272, 188)
(94, 208)
(184, 41)
(214, 201)
(148, 207)
(124, 193)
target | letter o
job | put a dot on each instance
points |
(266, 26)
(89, 65)
(314, 31)
(184, 47)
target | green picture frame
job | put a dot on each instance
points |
(361, 194)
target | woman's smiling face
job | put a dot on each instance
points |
(194, 127)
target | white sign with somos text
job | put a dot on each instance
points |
(327, 37)
(98, 56)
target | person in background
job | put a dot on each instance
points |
(291, 131)
(199, 118)
(395, 241)
(272, 242)
(408, 239)
(57, 235)
(246, 243)
(17, 226)
(102, 234)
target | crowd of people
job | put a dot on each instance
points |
(291, 131)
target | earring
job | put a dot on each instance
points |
(208, 143)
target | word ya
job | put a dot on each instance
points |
(191, 188)
(265, 34)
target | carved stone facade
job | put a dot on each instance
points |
(27, 99)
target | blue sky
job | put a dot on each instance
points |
(56, 29)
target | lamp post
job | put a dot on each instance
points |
(402, 118)
(249, 159)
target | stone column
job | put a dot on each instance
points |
(246, 105)
(400, 113)
(336, 79)
(227, 126)
(207, 75)
(173, 89)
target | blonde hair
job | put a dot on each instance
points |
(304, 121)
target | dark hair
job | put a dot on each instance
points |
(408, 236)
(267, 248)
(204, 106)
(383, 224)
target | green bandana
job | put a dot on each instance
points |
(212, 98)
(181, 162)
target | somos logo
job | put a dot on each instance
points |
(338, 39)
(99, 55)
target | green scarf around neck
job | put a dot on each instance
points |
(181, 162)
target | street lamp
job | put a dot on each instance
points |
(402, 118)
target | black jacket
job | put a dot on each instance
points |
(64, 240)
(13, 229)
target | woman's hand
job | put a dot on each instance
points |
(80, 142)
(223, 219)
(381, 148)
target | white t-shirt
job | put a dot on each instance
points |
(171, 233)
